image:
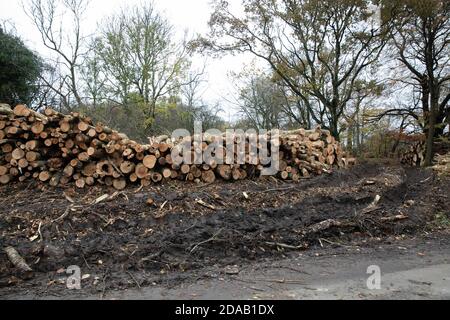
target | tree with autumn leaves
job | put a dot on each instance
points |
(326, 52)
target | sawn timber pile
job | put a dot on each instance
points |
(414, 155)
(59, 149)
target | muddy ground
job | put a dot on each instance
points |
(121, 242)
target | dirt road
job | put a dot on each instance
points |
(410, 269)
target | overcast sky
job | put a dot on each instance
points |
(192, 15)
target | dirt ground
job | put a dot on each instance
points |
(195, 230)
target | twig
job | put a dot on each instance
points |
(394, 218)
(134, 279)
(276, 189)
(104, 284)
(64, 215)
(208, 240)
(101, 217)
(39, 231)
(68, 198)
(287, 246)
(163, 205)
(425, 179)
(87, 264)
(116, 194)
(189, 228)
(115, 167)
(287, 281)
(257, 289)
(372, 206)
(204, 204)
(335, 243)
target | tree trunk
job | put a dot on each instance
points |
(430, 133)
(350, 138)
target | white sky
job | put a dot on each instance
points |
(192, 15)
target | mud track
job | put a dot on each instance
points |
(123, 242)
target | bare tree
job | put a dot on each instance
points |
(94, 76)
(50, 82)
(141, 57)
(260, 100)
(66, 42)
(355, 116)
(192, 91)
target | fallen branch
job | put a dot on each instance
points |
(373, 206)
(394, 218)
(323, 225)
(17, 260)
(276, 189)
(287, 246)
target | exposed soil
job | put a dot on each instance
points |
(124, 242)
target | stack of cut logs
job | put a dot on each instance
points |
(414, 154)
(58, 149)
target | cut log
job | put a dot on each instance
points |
(37, 127)
(149, 161)
(83, 126)
(18, 154)
(104, 168)
(208, 176)
(90, 169)
(127, 167)
(7, 148)
(31, 145)
(156, 177)
(119, 184)
(68, 171)
(5, 109)
(54, 181)
(22, 110)
(83, 157)
(22, 163)
(3, 170)
(80, 183)
(44, 176)
(17, 260)
(141, 171)
(185, 169)
(167, 173)
(5, 178)
(90, 181)
(224, 171)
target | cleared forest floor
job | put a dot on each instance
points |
(121, 242)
